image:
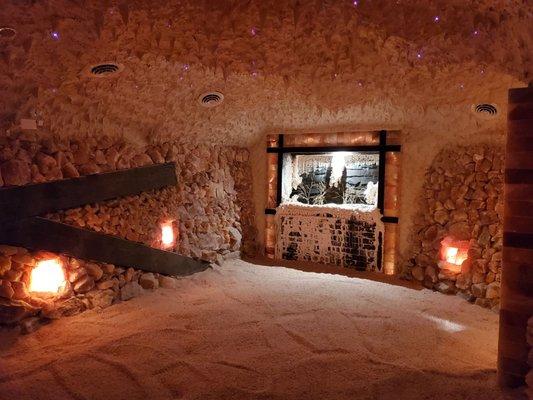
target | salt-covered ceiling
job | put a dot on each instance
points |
(281, 64)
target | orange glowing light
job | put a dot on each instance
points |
(48, 276)
(167, 234)
(451, 254)
(454, 256)
(454, 252)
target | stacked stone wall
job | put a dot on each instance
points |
(462, 198)
(211, 205)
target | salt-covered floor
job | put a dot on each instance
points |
(243, 331)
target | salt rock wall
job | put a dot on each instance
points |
(88, 285)
(211, 204)
(462, 198)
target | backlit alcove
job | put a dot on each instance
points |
(333, 198)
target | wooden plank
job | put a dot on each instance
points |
(513, 318)
(330, 149)
(518, 368)
(520, 127)
(518, 159)
(516, 293)
(42, 234)
(519, 112)
(519, 176)
(520, 143)
(518, 224)
(520, 95)
(519, 192)
(519, 208)
(520, 240)
(31, 200)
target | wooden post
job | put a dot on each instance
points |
(517, 271)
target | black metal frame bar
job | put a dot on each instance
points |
(281, 140)
(382, 149)
(326, 149)
(382, 162)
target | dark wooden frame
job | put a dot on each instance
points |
(382, 149)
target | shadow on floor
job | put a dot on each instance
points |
(335, 270)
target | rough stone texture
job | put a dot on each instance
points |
(211, 205)
(167, 282)
(149, 281)
(319, 62)
(282, 65)
(462, 198)
(130, 290)
(89, 285)
(211, 201)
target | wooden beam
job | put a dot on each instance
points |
(516, 302)
(42, 234)
(31, 200)
(330, 149)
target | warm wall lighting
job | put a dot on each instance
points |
(48, 276)
(453, 254)
(168, 238)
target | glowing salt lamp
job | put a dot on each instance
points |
(460, 258)
(451, 255)
(168, 237)
(48, 276)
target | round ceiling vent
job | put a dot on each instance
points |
(103, 70)
(211, 99)
(485, 110)
(7, 32)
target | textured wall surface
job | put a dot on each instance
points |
(418, 153)
(462, 198)
(211, 205)
(87, 285)
(282, 66)
(205, 202)
(280, 63)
